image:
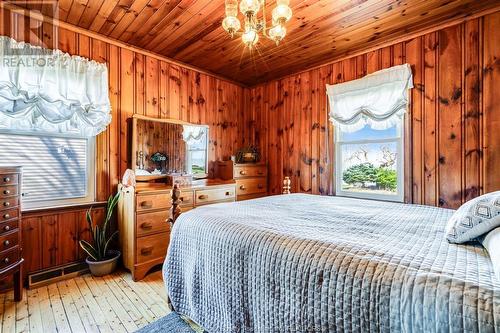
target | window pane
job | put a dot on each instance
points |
(368, 133)
(53, 167)
(197, 154)
(200, 144)
(370, 168)
(198, 159)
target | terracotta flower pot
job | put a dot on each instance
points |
(105, 267)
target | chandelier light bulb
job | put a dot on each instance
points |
(232, 8)
(231, 24)
(250, 38)
(248, 7)
(277, 33)
(282, 13)
(256, 24)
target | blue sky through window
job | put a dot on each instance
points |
(368, 133)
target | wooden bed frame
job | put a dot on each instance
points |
(176, 210)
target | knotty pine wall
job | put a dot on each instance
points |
(453, 141)
(139, 84)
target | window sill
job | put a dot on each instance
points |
(63, 207)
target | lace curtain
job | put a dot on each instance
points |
(377, 99)
(51, 91)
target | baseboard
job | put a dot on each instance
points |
(49, 276)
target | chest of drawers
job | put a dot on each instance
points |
(250, 178)
(10, 227)
(142, 218)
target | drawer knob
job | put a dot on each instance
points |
(243, 172)
(6, 216)
(228, 194)
(6, 260)
(146, 226)
(6, 228)
(6, 243)
(147, 251)
(260, 173)
(242, 187)
(146, 204)
(6, 204)
(260, 186)
(6, 179)
(203, 197)
(6, 192)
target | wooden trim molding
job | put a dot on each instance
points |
(59, 209)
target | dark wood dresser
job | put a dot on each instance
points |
(10, 227)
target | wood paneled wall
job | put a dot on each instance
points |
(51, 239)
(453, 137)
(139, 84)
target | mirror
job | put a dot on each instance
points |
(162, 147)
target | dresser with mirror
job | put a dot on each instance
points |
(163, 152)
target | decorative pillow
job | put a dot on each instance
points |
(492, 244)
(474, 218)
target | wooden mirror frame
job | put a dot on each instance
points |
(136, 118)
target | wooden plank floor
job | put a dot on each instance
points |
(113, 303)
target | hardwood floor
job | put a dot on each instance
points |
(113, 303)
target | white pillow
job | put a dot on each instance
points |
(474, 218)
(492, 244)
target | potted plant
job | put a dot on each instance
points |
(101, 260)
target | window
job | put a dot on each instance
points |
(369, 163)
(197, 153)
(57, 170)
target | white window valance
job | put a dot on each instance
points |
(193, 134)
(377, 99)
(51, 91)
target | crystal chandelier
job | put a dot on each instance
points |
(253, 25)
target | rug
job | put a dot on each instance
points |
(171, 323)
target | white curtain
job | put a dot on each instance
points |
(378, 99)
(193, 134)
(51, 91)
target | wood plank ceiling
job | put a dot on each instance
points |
(321, 30)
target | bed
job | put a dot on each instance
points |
(307, 263)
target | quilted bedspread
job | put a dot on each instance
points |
(305, 263)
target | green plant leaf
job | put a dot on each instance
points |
(112, 202)
(97, 242)
(89, 216)
(100, 243)
(89, 249)
(109, 240)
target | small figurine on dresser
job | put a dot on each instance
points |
(161, 161)
(248, 155)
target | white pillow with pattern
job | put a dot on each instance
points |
(474, 218)
(492, 244)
